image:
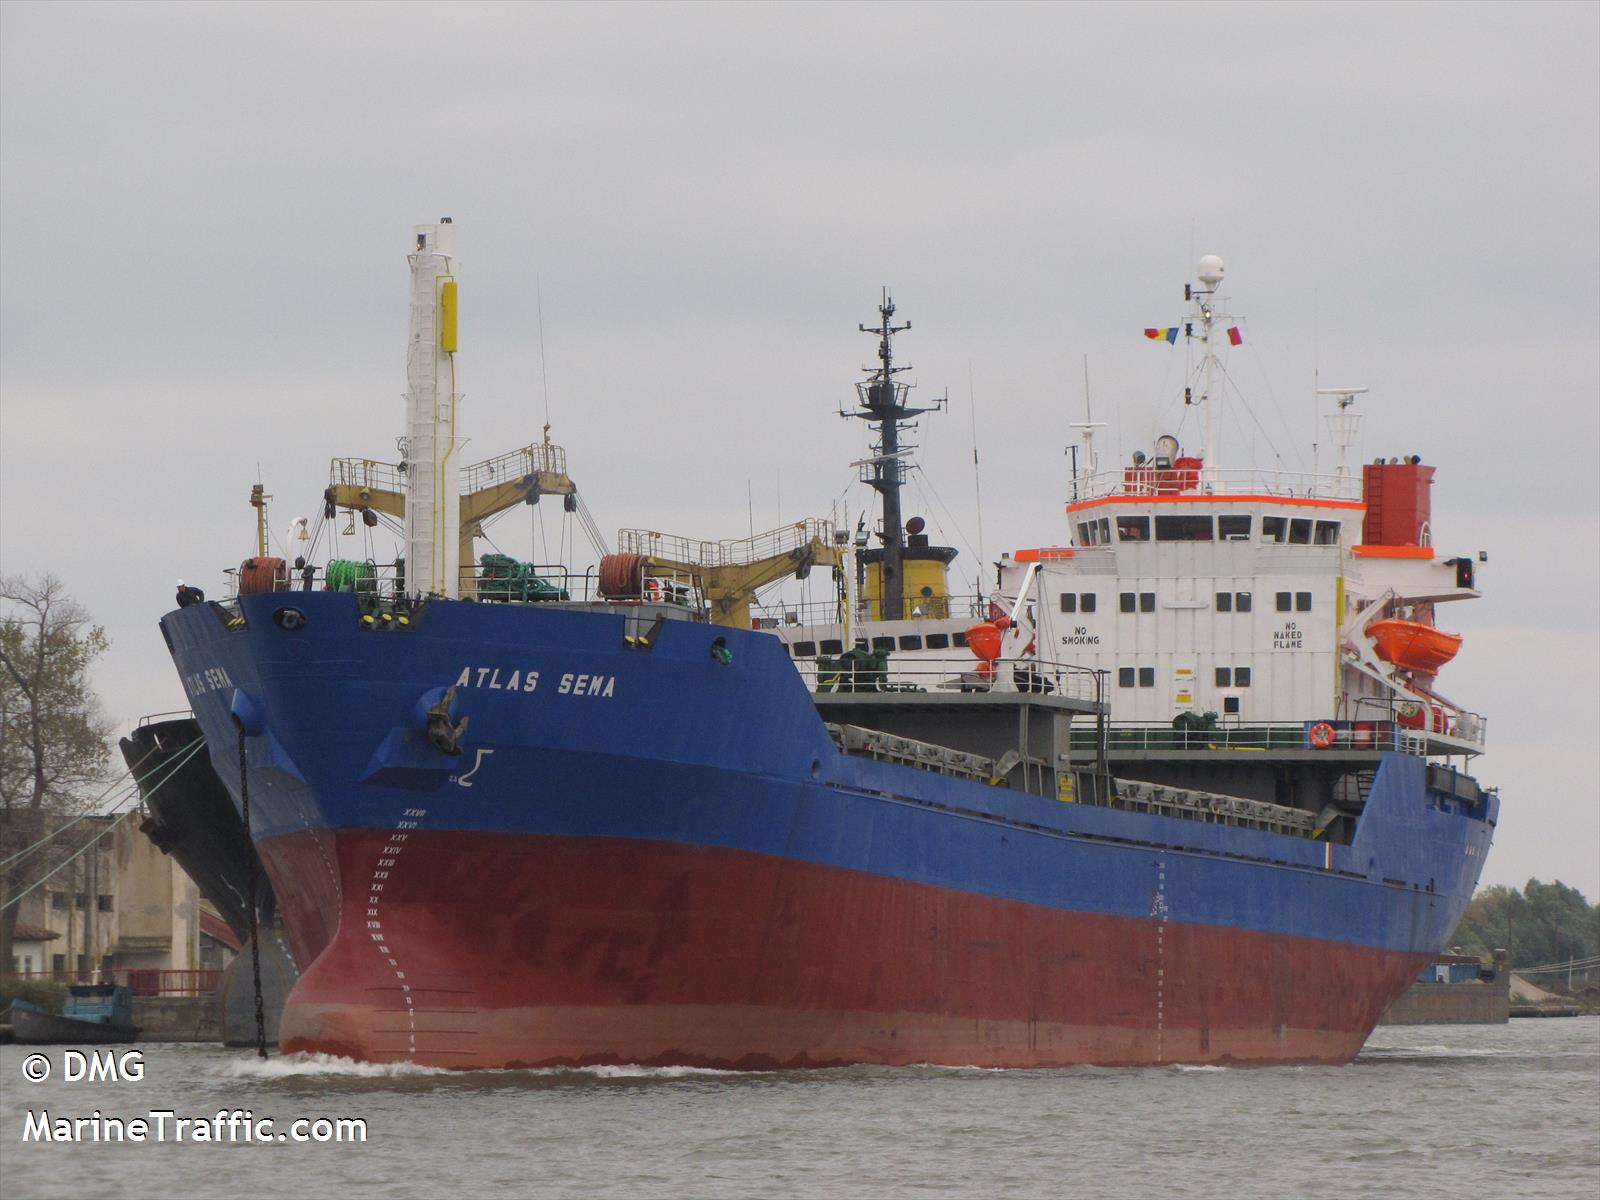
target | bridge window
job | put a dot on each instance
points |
(911, 642)
(1299, 532)
(1095, 533)
(1274, 529)
(832, 646)
(1184, 529)
(938, 641)
(805, 649)
(1233, 528)
(1133, 529)
(1327, 533)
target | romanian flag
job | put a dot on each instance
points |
(1169, 335)
(1234, 336)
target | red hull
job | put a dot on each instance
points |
(466, 951)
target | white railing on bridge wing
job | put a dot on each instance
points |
(1135, 482)
(731, 552)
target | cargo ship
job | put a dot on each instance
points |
(517, 816)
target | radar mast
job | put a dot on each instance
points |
(882, 401)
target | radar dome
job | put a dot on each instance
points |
(1210, 271)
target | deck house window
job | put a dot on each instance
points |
(1241, 602)
(1302, 601)
(1147, 602)
(1285, 602)
(1147, 677)
(1126, 601)
(938, 641)
(1224, 601)
(1086, 602)
(1224, 676)
(1233, 528)
(959, 639)
(1230, 706)
(1133, 529)
(1241, 677)
(1299, 532)
(883, 643)
(1327, 533)
(1274, 529)
(911, 642)
(805, 649)
(832, 646)
(1125, 676)
(1069, 602)
(1184, 529)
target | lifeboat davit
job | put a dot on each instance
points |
(1413, 645)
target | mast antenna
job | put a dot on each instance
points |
(882, 402)
(1083, 479)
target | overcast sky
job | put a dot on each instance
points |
(204, 212)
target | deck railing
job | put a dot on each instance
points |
(141, 981)
(1149, 480)
(1131, 736)
(863, 672)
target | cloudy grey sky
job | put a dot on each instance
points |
(204, 212)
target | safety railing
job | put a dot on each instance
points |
(1149, 480)
(859, 671)
(539, 458)
(1134, 736)
(141, 981)
(730, 552)
(803, 613)
(368, 474)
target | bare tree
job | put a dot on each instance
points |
(54, 742)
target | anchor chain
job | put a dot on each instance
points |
(255, 932)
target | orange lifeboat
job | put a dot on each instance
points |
(1413, 645)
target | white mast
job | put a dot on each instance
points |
(1210, 272)
(1342, 426)
(433, 469)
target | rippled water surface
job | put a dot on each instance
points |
(1425, 1111)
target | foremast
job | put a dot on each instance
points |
(431, 450)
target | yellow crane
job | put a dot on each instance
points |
(489, 487)
(727, 573)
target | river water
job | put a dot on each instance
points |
(1425, 1111)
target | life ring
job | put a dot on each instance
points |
(652, 591)
(1320, 735)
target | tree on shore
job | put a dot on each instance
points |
(54, 742)
(1543, 923)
